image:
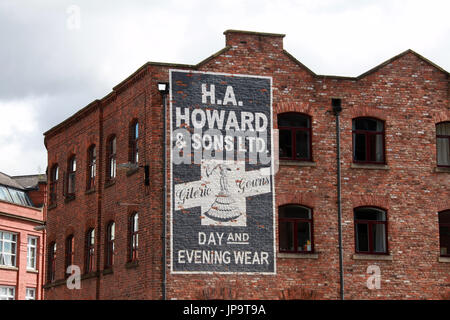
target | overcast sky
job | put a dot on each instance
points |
(58, 56)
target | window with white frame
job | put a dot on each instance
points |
(31, 253)
(7, 293)
(8, 249)
(30, 294)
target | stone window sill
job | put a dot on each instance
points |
(369, 166)
(132, 264)
(90, 191)
(32, 271)
(9, 268)
(69, 198)
(297, 163)
(441, 169)
(110, 183)
(444, 259)
(132, 171)
(89, 275)
(284, 255)
(107, 271)
(54, 283)
(381, 257)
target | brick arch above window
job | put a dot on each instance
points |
(108, 217)
(367, 112)
(51, 237)
(287, 107)
(307, 200)
(381, 202)
(70, 230)
(89, 223)
(443, 205)
(441, 116)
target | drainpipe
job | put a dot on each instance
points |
(337, 108)
(164, 89)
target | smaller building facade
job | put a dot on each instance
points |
(22, 236)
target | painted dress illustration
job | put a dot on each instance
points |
(224, 207)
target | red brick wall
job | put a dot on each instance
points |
(38, 196)
(408, 93)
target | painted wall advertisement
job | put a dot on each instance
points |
(222, 184)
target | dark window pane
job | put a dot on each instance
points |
(286, 236)
(443, 129)
(294, 211)
(443, 151)
(367, 124)
(372, 147)
(359, 147)
(379, 237)
(444, 240)
(113, 146)
(71, 183)
(444, 217)
(285, 144)
(304, 236)
(295, 120)
(302, 144)
(370, 214)
(362, 237)
(54, 175)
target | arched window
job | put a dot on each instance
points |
(134, 236)
(111, 156)
(69, 259)
(370, 230)
(295, 229)
(110, 238)
(368, 140)
(90, 250)
(134, 144)
(444, 233)
(54, 175)
(71, 171)
(92, 167)
(443, 144)
(51, 262)
(295, 136)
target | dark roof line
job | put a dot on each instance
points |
(263, 34)
(374, 69)
(381, 65)
(6, 180)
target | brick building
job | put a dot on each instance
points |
(106, 183)
(22, 239)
